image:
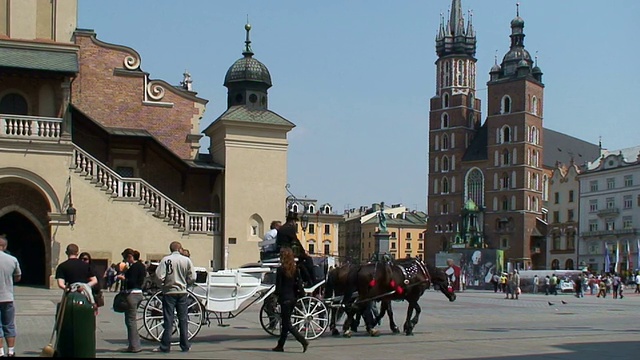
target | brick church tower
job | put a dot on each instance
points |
(485, 181)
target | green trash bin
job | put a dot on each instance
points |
(77, 336)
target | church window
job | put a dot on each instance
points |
(534, 160)
(534, 203)
(505, 157)
(472, 101)
(445, 100)
(445, 186)
(475, 186)
(460, 73)
(505, 134)
(513, 202)
(437, 143)
(505, 181)
(445, 121)
(447, 73)
(495, 204)
(533, 135)
(514, 158)
(505, 107)
(505, 203)
(534, 105)
(435, 188)
(445, 142)
(445, 163)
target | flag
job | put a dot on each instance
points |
(629, 263)
(617, 269)
(607, 259)
(638, 254)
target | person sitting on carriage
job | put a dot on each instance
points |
(268, 246)
(287, 238)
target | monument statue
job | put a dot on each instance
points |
(382, 220)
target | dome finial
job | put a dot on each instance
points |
(495, 57)
(517, 9)
(247, 43)
(536, 57)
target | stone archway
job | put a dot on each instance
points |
(24, 218)
(27, 245)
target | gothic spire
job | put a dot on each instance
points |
(456, 20)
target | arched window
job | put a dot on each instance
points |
(445, 100)
(447, 73)
(568, 265)
(435, 165)
(445, 121)
(14, 104)
(534, 158)
(505, 157)
(555, 264)
(312, 209)
(435, 189)
(506, 134)
(294, 208)
(505, 181)
(327, 209)
(505, 105)
(474, 186)
(534, 181)
(445, 186)
(534, 203)
(437, 143)
(534, 105)
(445, 163)
(460, 73)
(533, 135)
(472, 101)
(445, 142)
(505, 203)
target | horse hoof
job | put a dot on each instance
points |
(395, 331)
(347, 334)
(374, 332)
(409, 334)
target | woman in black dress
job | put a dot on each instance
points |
(287, 282)
(133, 279)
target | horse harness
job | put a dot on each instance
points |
(412, 271)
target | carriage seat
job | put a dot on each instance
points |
(226, 290)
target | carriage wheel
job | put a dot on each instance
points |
(154, 323)
(270, 316)
(142, 330)
(310, 316)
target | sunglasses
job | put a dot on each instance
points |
(85, 259)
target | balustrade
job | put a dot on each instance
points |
(30, 127)
(146, 195)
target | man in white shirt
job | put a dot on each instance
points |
(637, 283)
(9, 273)
(268, 244)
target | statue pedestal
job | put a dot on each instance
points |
(382, 243)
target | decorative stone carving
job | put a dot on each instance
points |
(155, 91)
(131, 62)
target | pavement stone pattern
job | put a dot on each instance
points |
(478, 325)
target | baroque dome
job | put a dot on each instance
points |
(247, 69)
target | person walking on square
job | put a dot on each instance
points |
(175, 272)
(133, 279)
(9, 274)
(547, 283)
(286, 290)
(637, 283)
(515, 284)
(553, 285)
(536, 282)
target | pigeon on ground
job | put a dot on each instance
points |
(564, 302)
(550, 303)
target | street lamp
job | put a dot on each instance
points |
(304, 222)
(71, 213)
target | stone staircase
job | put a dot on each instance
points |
(138, 190)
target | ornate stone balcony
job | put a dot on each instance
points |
(608, 212)
(30, 127)
(610, 233)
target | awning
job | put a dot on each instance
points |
(39, 59)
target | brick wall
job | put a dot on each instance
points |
(115, 98)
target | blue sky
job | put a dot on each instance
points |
(356, 76)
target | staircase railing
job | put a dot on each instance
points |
(136, 189)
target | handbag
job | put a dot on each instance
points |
(120, 303)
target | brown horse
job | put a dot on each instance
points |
(368, 280)
(410, 278)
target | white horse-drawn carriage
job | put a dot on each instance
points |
(225, 294)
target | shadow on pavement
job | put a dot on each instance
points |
(582, 351)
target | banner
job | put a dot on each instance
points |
(638, 254)
(617, 268)
(607, 259)
(629, 262)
